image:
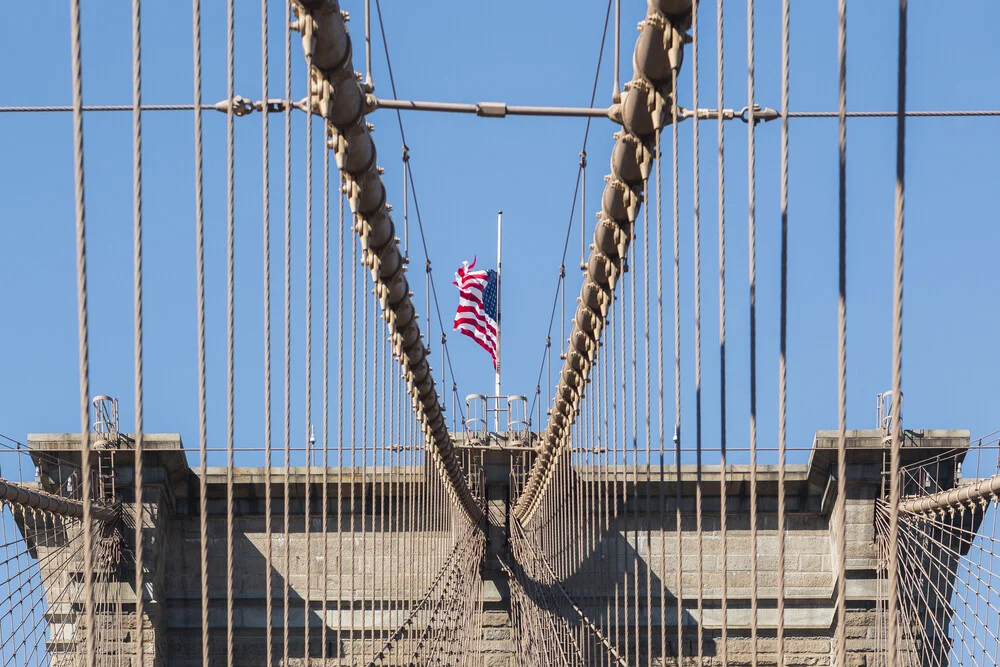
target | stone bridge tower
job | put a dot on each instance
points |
(640, 542)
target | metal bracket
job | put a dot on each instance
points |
(239, 105)
(272, 105)
(760, 113)
(491, 109)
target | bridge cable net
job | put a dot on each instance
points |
(41, 566)
(575, 595)
(949, 580)
(444, 621)
(592, 580)
(368, 535)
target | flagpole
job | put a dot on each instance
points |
(499, 286)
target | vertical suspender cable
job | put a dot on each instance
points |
(600, 374)
(635, 443)
(617, 95)
(613, 459)
(407, 489)
(354, 442)
(782, 360)
(394, 560)
(288, 333)
(623, 318)
(378, 418)
(307, 31)
(326, 398)
(723, 493)
(365, 402)
(84, 347)
(385, 556)
(137, 305)
(897, 342)
(697, 323)
(230, 321)
(659, 392)
(678, 579)
(199, 209)
(618, 330)
(752, 265)
(341, 231)
(368, 41)
(841, 506)
(583, 213)
(395, 555)
(266, 221)
(406, 205)
(647, 422)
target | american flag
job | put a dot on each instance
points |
(477, 313)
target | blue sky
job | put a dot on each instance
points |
(465, 168)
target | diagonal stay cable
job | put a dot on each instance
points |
(416, 206)
(572, 214)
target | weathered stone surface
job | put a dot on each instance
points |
(335, 565)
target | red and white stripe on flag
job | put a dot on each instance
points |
(476, 316)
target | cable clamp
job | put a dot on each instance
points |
(239, 105)
(491, 109)
(271, 105)
(759, 114)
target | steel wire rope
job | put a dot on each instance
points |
(783, 328)
(137, 306)
(82, 320)
(25, 578)
(307, 33)
(897, 338)
(925, 113)
(266, 259)
(581, 172)
(354, 414)
(659, 382)
(202, 374)
(364, 457)
(35, 455)
(342, 230)
(752, 270)
(326, 401)
(43, 579)
(230, 322)
(601, 381)
(287, 362)
(647, 419)
(408, 174)
(613, 430)
(634, 402)
(723, 492)
(841, 506)
(696, 225)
